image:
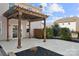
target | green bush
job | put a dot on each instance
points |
(65, 34)
(49, 33)
(55, 30)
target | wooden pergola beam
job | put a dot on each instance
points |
(7, 29)
(29, 29)
(13, 15)
(19, 29)
(44, 30)
(38, 19)
(31, 12)
(14, 9)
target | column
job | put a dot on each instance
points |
(29, 29)
(44, 30)
(19, 29)
(7, 29)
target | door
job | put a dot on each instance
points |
(14, 31)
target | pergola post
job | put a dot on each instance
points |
(19, 29)
(44, 30)
(29, 29)
(7, 29)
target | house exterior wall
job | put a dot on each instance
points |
(70, 25)
(24, 25)
(36, 25)
(15, 22)
(3, 21)
(74, 35)
(77, 26)
(73, 26)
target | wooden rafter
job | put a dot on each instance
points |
(31, 13)
(37, 19)
(13, 13)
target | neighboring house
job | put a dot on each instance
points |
(70, 22)
(49, 25)
(13, 23)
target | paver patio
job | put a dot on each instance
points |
(62, 47)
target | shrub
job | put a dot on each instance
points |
(65, 34)
(49, 33)
(56, 30)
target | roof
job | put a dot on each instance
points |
(68, 19)
(26, 14)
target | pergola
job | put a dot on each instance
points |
(20, 13)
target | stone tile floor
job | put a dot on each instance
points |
(59, 46)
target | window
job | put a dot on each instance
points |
(11, 4)
(15, 31)
(0, 27)
(28, 30)
(69, 23)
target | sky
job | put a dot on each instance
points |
(58, 10)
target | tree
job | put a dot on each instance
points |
(65, 34)
(56, 30)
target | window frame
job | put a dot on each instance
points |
(28, 30)
(68, 23)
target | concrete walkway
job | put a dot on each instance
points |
(62, 47)
(2, 52)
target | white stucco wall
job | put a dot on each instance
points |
(23, 27)
(71, 26)
(36, 25)
(3, 8)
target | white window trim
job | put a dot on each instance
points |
(1, 27)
